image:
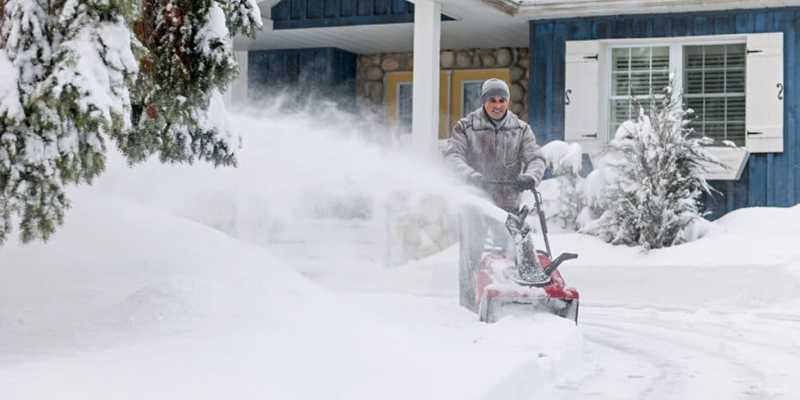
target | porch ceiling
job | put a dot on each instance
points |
(477, 25)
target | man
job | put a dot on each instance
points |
(494, 150)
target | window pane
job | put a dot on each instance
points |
(694, 57)
(640, 84)
(471, 96)
(735, 133)
(621, 84)
(696, 105)
(405, 95)
(620, 112)
(714, 81)
(694, 81)
(715, 130)
(734, 81)
(640, 59)
(735, 110)
(660, 81)
(637, 73)
(713, 57)
(715, 109)
(660, 58)
(714, 87)
(621, 59)
(735, 54)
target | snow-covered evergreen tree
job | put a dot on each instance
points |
(189, 58)
(73, 74)
(657, 170)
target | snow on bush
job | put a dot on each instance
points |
(649, 190)
(562, 194)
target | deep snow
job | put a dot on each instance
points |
(190, 282)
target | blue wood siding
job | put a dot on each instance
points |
(327, 72)
(768, 179)
(299, 14)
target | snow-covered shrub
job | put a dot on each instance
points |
(562, 194)
(653, 179)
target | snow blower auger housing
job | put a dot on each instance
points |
(528, 281)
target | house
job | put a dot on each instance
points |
(574, 67)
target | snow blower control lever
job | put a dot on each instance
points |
(537, 197)
(543, 221)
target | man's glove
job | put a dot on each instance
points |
(476, 179)
(525, 182)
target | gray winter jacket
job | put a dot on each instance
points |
(498, 150)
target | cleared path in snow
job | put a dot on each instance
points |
(690, 354)
(711, 342)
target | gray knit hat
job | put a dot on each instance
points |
(494, 87)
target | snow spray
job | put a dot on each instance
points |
(315, 183)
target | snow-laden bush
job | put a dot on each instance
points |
(649, 189)
(562, 194)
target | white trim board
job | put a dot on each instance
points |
(544, 9)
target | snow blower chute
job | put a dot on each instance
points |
(494, 282)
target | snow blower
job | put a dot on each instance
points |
(529, 280)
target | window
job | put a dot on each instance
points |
(734, 83)
(404, 95)
(637, 73)
(471, 93)
(714, 87)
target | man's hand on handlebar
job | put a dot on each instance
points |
(525, 182)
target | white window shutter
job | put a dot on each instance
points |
(764, 93)
(581, 105)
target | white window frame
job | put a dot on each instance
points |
(675, 44)
(734, 159)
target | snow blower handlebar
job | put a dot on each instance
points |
(561, 257)
(537, 198)
(538, 201)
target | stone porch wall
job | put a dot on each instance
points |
(372, 69)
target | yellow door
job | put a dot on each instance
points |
(459, 94)
(466, 89)
(398, 99)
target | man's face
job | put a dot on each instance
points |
(496, 107)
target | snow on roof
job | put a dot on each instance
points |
(539, 9)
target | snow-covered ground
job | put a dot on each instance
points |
(176, 282)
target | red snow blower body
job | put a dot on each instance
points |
(529, 280)
(497, 294)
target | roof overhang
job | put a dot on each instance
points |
(476, 24)
(547, 9)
